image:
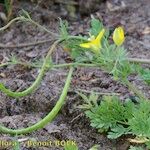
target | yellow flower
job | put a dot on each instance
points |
(94, 43)
(118, 36)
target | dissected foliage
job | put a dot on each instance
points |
(120, 118)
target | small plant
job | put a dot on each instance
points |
(95, 50)
(117, 118)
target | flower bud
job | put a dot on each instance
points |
(118, 36)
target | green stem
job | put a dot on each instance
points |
(54, 34)
(26, 44)
(98, 93)
(36, 82)
(9, 23)
(133, 60)
(78, 38)
(48, 118)
(134, 89)
(38, 79)
(69, 64)
(75, 64)
(43, 28)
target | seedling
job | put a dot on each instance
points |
(117, 118)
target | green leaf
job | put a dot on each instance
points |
(108, 113)
(71, 146)
(117, 131)
(93, 98)
(114, 60)
(148, 144)
(63, 29)
(25, 15)
(139, 124)
(14, 59)
(96, 26)
(76, 52)
(121, 118)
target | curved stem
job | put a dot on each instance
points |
(29, 20)
(9, 23)
(48, 118)
(25, 44)
(37, 81)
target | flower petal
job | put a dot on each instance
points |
(100, 35)
(86, 45)
(94, 44)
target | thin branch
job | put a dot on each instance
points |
(59, 65)
(26, 44)
(139, 60)
(9, 23)
(66, 2)
(98, 93)
(44, 28)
